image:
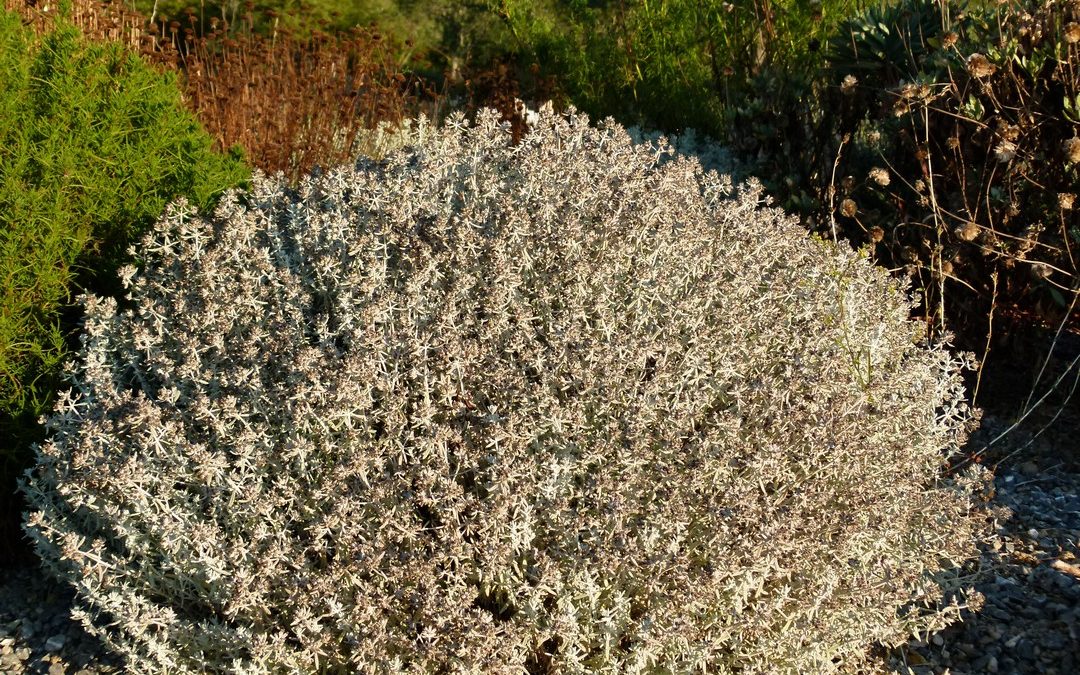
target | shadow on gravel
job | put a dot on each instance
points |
(1029, 570)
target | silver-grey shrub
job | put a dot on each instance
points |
(493, 408)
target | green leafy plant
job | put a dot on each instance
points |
(560, 405)
(93, 144)
(673, 65)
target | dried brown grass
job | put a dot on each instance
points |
(292, 101)
(107, 21)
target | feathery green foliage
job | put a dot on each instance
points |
(93, 144)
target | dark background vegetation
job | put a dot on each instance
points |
(941, 137)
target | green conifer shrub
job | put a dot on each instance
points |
(481, 407)
(93, 144)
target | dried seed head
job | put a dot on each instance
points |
(946, 268)
(1041, 270)
(1072, 150)
(1065, 200)
(953, 143)
(1072, 32)
(920, 185)
(876, 234)
(949, 40)
(1005, 151)
(979, 66)
(879, 176)
(849, 83)
(848, 208)
(967, 232)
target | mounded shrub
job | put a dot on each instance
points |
(484, 407)
(95, 143)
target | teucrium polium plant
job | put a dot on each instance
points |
(493, 408)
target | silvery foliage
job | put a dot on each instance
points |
(493, 408)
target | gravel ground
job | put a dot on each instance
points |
(1029, 573)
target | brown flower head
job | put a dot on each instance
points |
(1005, 151)
(1072, 150)
(967, 232)
(1072, 32)
(979, 66)
(879, 176)
(848, 208)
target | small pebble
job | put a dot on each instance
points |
(1025, 649)
(9, 661)
(55, 643)
(968, 649)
